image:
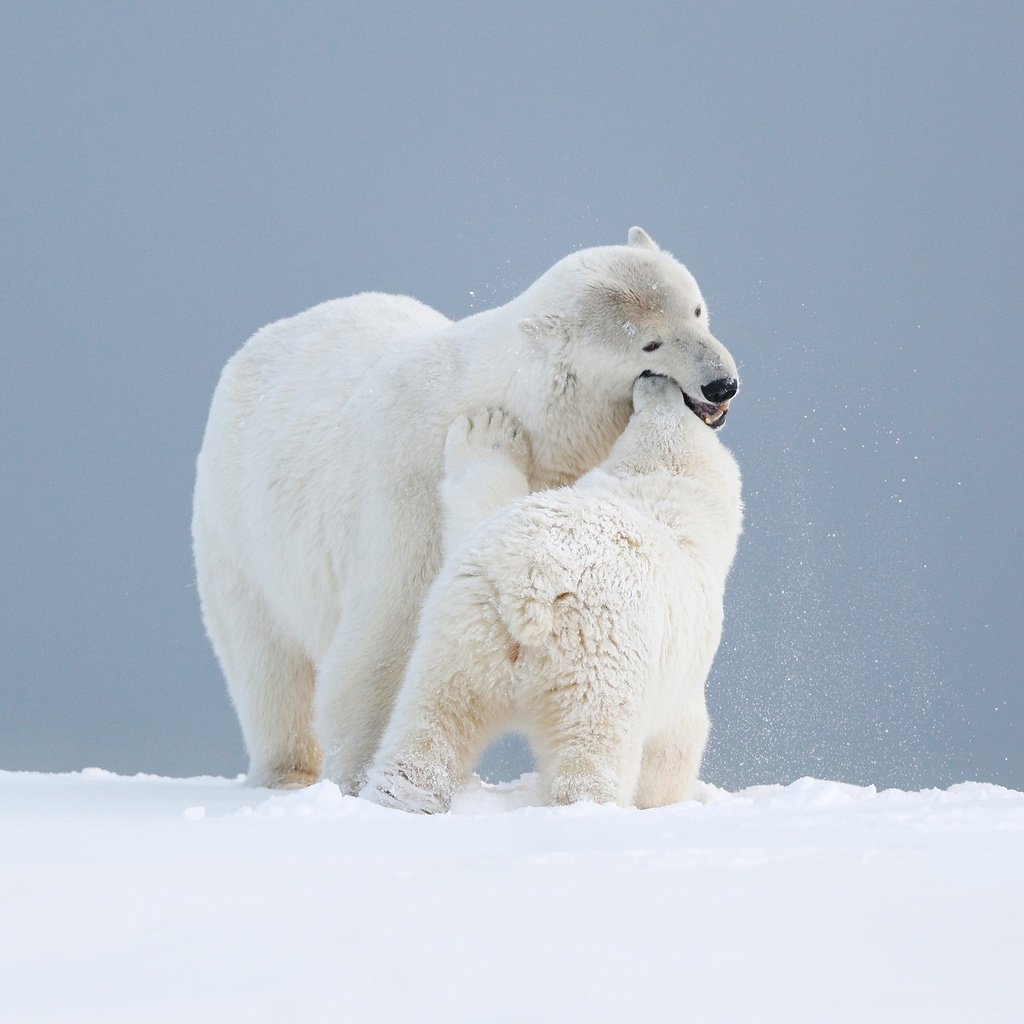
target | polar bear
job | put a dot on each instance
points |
(316, 521)
(587, 617)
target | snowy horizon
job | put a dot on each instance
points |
(157, 899)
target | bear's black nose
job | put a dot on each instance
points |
(721, 390)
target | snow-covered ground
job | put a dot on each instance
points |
(190, 900)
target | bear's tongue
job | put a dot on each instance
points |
(712, 415)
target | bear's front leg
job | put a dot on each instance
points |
(486, 466)
(357, 683)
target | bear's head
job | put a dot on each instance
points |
(618, 311)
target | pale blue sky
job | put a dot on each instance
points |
(843, 179)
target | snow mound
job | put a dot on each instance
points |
(152, 899)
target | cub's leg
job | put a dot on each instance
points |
(486, 464)
(589, 748)
(671, 763)
(269, 680)
(441, 715)
(456, 693)
(486, 460)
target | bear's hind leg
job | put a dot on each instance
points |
(455, 694)
(671, 763)
(588, 749)
(269, 681)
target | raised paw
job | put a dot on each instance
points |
(482, 435)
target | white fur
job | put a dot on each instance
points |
(316, 525)
(586, 616)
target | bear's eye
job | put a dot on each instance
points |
(651, 346)
(698, 310)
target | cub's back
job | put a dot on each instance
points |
(554, 554)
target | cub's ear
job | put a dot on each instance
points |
(550, 326)
(639, 239)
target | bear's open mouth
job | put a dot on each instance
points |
(712, 415)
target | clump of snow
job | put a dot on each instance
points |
(324, 799)
(201, 899)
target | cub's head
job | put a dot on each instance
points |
(663, 433)
(623, 310)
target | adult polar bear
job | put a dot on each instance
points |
(316, 522)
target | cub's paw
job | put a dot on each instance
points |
(583, 779)
(483, 435)
(394, 786)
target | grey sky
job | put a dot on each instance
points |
(843, 179)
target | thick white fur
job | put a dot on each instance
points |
(586, 616)
(317, 526)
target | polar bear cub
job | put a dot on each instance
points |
(586, 616)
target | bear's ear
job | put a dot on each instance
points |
(549, 326)
(639, 239)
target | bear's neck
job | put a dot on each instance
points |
(573, 432)
(572, 421)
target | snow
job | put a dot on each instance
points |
(152, 899)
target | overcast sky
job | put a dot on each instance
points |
(843, 179)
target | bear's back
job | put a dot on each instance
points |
(571, 539)
(329, 346)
